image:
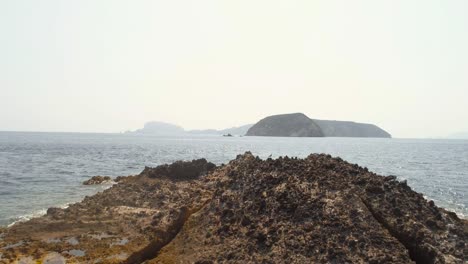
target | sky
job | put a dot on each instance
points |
(112, 65)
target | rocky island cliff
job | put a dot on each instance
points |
(318, 209)
(299, 125)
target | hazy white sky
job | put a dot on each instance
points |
(110, 66)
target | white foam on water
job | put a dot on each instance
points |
(39, 213)
(26, 217)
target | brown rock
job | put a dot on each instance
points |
(314, 210)
(97, 180)
(181, 170)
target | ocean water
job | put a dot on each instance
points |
(41, 170)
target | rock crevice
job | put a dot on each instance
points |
(419, 255)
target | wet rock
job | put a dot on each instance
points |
(120, 178)
(97, 180)
(181, 170)
(55, 212)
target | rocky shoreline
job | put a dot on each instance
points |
(287, 210)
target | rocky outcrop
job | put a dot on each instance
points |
(180, 170)
(98, 180)
(287, 210)
(288, 125)
(299, 125)
(315, 210)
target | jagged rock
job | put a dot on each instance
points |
(181, 170)
(287, 210)
(120, 178)
(97, 180)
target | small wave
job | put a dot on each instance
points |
(26, 217)
(35, 214)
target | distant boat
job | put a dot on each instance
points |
(227, 135)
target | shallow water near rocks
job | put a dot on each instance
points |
(53, 240)
(13, 245)
(42, 170)
(73, 241)
(100, 236)
(121, 242)
(77, 253)
(54, 258)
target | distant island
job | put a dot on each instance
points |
(158, 128)
(167, 129)
(285, 125)
(240, 131)
(300, 125)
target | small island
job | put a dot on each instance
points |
(300, 125)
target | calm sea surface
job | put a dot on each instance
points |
(41, 170)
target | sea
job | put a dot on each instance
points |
(42, 170)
